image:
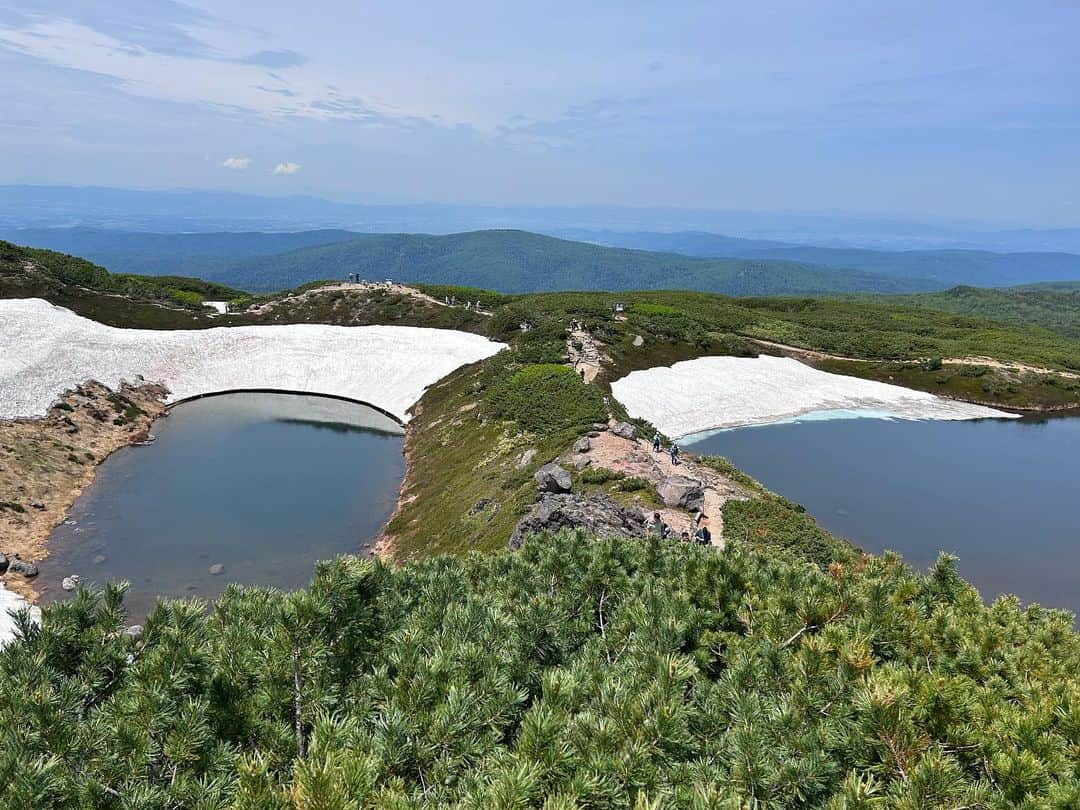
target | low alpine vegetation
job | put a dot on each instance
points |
(574, 673)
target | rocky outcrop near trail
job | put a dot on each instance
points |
(598, 515)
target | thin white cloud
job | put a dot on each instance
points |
(287, 168)
(228, 84)
(236, 163)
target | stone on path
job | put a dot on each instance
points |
(680, 491)
(624, 430)
(582, 445)
(217, 568)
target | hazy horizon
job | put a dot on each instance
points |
(964, 113)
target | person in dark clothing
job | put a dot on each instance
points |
(674, 453)
(703, 536)
(656, 442)
(659, 527)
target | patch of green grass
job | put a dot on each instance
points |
(771, 523)
(600, 475)
(546, 398)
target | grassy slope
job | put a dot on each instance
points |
(1053, 306)
(518, 261)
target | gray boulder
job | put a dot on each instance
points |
(217, 568)
(70, 583)
(582, 445)
(552, 478)
(624, 430)
(581, 462)
(597, 515)
(3, 563)
(526, 458)
(682, 492)
(28, 570)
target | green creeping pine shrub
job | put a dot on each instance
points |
(546, 398)
(574, 673)
(600, 475)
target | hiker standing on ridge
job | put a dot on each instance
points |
(674, 454)
(656, 442)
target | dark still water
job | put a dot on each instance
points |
(1003, 495)
(263, 485)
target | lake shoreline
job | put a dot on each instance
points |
(56, 458)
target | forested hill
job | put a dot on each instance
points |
(519, 261)
(946, 267)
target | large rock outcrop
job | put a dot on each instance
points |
(678, 491)
(598, 515)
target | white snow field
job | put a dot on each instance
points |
(9, 600)
(45, 350)
(726, 392)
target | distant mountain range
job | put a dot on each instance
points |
(182, 211)
(519, 261)
(946, 267)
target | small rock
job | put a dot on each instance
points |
(682, 492)
(70, 583)
(99, 559)
(217, 568)
(28, 570)
(552, 478)
(581, 462)
(624, 430)
(70, 522)
(600, 427)
(582, 445)
(526, 458)
(3, 563)
(37, 505)
(134, 631)
(480, 506)
(639, 340)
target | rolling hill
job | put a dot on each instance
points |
(946, 267)
(519, 261)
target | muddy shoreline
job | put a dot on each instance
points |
(47, 462)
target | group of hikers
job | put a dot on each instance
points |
(660, 529)
(657, 446)
(702, 536)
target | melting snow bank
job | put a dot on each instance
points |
(45, 350)
(726, 392)
(9, 600)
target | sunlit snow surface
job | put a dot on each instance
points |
(9, 600)
(45, 350)
(713, 393)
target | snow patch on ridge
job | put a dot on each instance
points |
(712, 393)
(45, 350)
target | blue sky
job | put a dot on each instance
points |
(968, 110)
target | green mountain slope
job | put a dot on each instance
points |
(947, 267)
(1049, 306)
(518, 261)
(154, 254)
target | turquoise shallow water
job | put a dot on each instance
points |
(1003, 495)
(261, 484)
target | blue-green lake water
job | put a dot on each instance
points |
(1003, 495)
(263, 485)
